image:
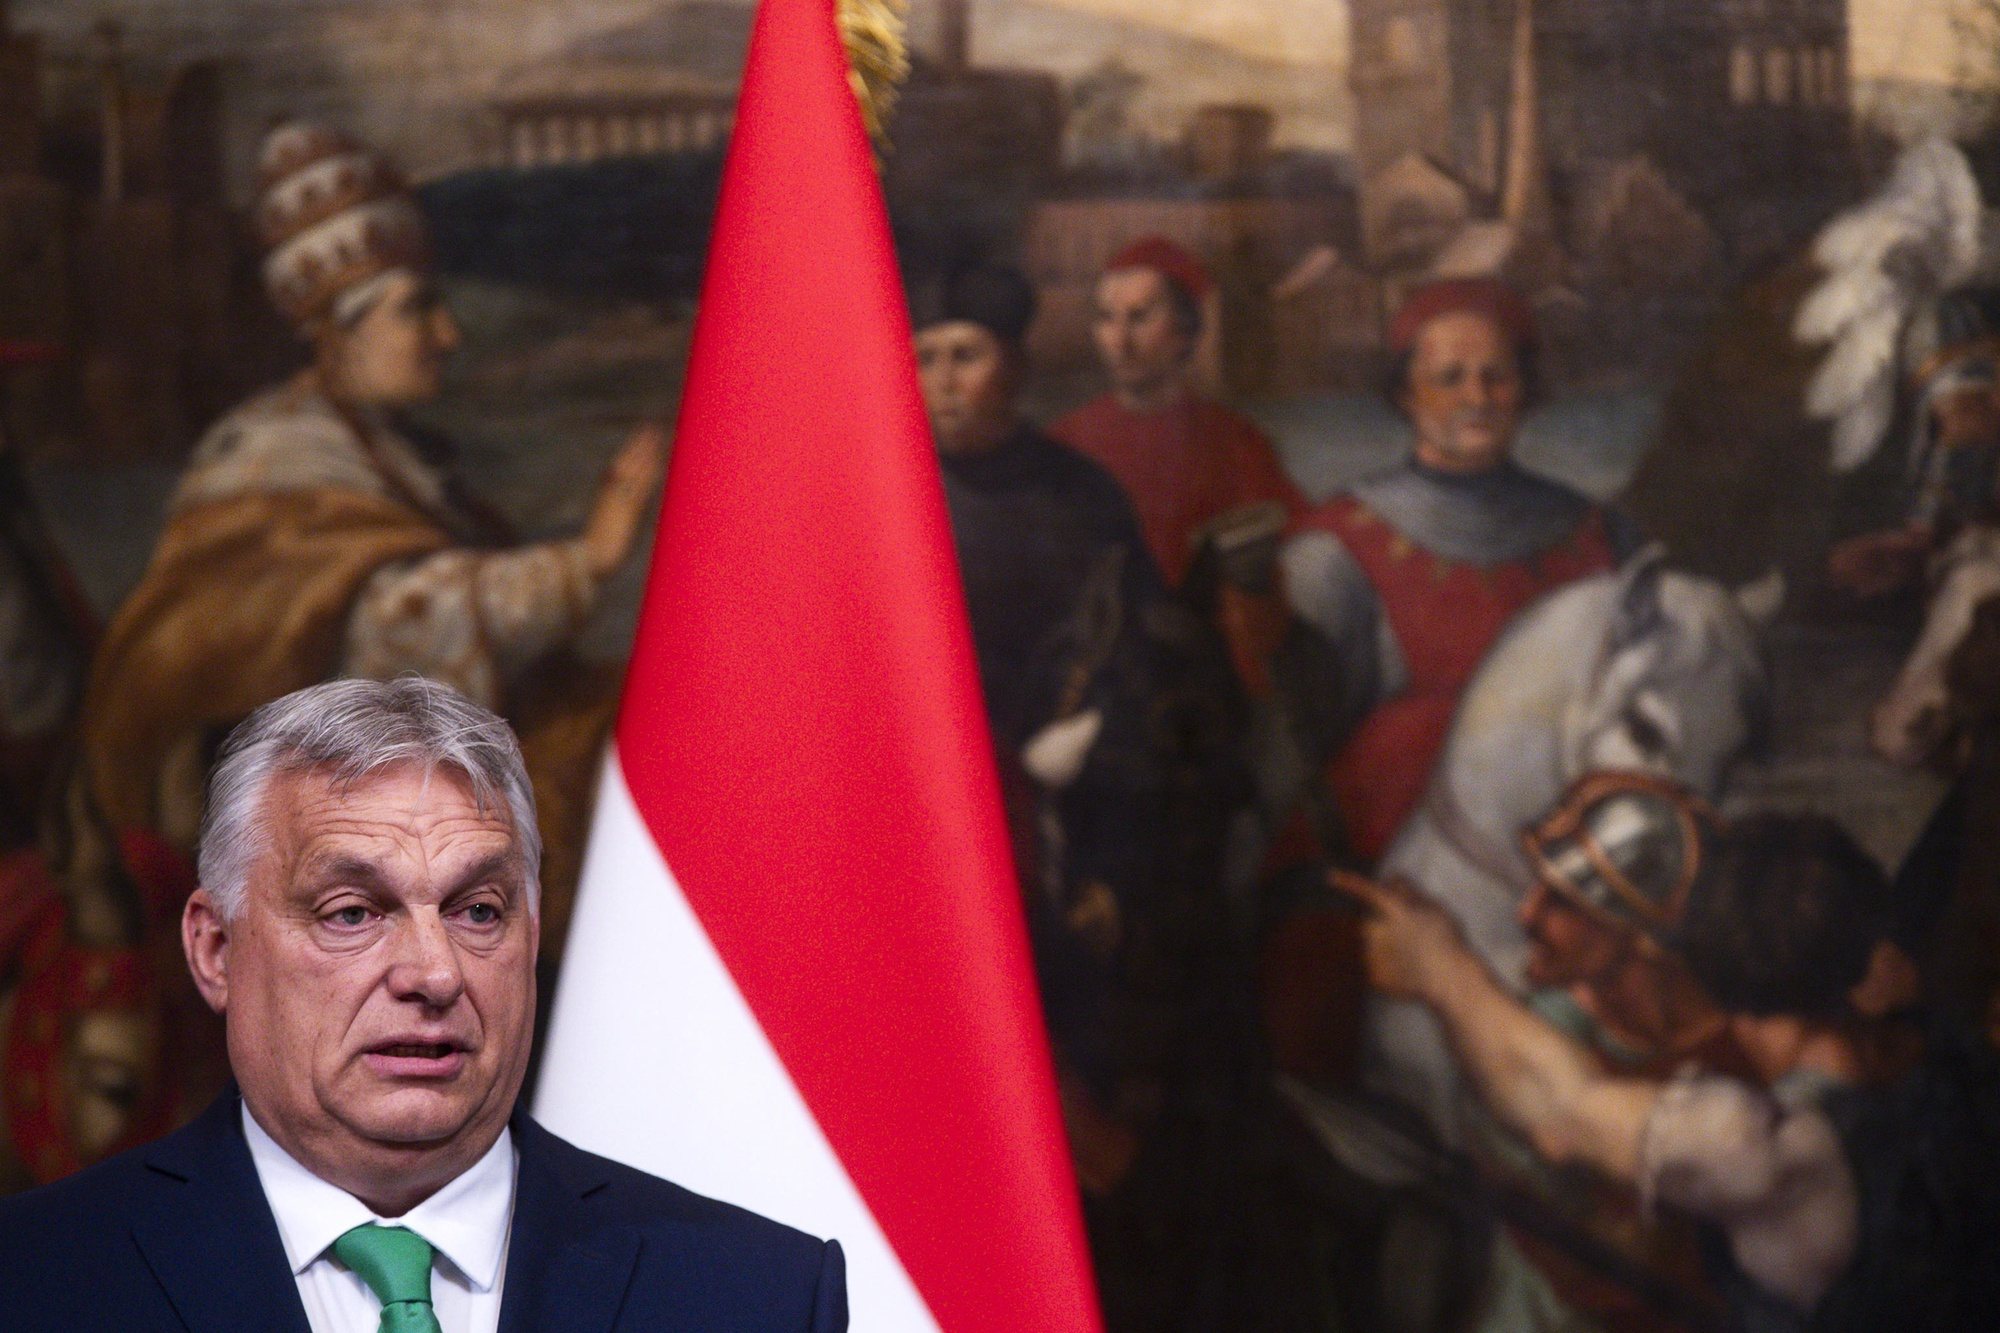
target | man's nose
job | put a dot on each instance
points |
(426, 966)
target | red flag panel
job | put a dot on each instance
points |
(802, 729)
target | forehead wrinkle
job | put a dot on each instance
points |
(446, 870)
(336, 865)
(375, 842)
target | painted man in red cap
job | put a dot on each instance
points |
(1413, 572)
(1195, 470)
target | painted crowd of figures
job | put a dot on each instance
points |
(1399, 970)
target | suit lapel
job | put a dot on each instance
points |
(207, 1233)
(561, 1274)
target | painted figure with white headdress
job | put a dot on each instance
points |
(309, 537)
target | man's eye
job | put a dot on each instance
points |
(351, 916)
(482, 914)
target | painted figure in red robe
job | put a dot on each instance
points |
(1198, 474)
(1413, 572)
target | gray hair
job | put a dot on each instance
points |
(347, 730)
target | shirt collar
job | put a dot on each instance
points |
(466, 1222)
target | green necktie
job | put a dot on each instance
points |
(395, 1262)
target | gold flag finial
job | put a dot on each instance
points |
(878, 57)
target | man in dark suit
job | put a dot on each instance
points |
(367, 926)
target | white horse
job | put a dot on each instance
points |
(1640, 670)
(1914, 717)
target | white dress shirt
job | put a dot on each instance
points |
(466, 1222)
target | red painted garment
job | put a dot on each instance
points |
(57, 980)
(1445, 615)
(1181, 466)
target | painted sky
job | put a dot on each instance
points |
(1895, 38)
(1307, 31)
(1911, 39)
(404, 72)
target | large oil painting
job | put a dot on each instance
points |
(1478, 518)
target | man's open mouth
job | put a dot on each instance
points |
(417, 1059)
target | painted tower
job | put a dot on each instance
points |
(1743, 104)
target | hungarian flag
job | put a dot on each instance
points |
(798, 975)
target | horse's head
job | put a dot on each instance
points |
(1677, 681)
(1913, 722)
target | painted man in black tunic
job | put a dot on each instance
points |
(1115, 715)
(1058, 584)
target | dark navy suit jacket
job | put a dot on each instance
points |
(178, 1236)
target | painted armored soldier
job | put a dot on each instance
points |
(1413, 573)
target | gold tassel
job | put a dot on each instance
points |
(878, 58)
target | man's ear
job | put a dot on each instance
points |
(205, 941)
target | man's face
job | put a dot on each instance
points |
(1464, 392)
(1568, 946)
(1144, 347)
(377, 984)
(395, 354)
(1968, 418)
(968, 385)
(111, 1072)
